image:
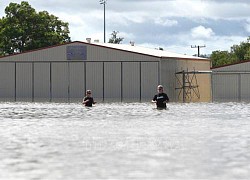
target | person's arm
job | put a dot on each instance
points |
(166, 99)
(154, 99)
(85, 101)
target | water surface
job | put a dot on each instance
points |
(124, 141)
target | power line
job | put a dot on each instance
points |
(198, 47)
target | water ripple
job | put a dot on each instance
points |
(124, 141)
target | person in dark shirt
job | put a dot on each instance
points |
(161, 98)
(88, 99)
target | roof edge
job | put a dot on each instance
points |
(193, 59)
(72, 42)
(226, 65)
(100, 45)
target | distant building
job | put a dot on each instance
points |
(231, 82)
(114, 72)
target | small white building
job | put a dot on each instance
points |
(231, 82)
(114, 72)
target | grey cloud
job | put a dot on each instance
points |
(227, 18)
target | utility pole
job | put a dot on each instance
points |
(198, 47)
(104, 3)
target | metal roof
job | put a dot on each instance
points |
(147, 51)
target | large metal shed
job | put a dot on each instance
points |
(231, 82)
(114, 72)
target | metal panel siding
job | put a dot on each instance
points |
(24, 81)
(102, 53)
(112, 81)
(76, 72)
(242, 86)
(67, 81)
(7, 81)
(203, 81)
(149, 80)
(42, 81)
(60, 81)
(95, 53)
(225, 87)
(94, 79)
(168, 79)
(50, 54)
(245, 87)
(131, 81)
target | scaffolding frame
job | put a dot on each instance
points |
(188, 85)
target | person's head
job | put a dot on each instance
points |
(88, 93)
(160, 88)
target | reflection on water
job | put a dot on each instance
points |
(124, 141)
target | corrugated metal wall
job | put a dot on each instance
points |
(94, 78)
(112, 81)
(169, 80)
(149, 72)
(7, 81)
(131, 79)
(24, 81)
(66, 81)
(41, 81)
(231, 86)
(231, 83)
(76, 80)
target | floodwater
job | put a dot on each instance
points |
(124, 141)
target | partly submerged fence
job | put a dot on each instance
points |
(66, 81)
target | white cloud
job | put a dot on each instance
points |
(247, 26)
(201, 32)
(220, 21)
(184, 41)
(127, 18)
(166, 22)
(229, 10)
(223, 43)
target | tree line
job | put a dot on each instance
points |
(24, 29)
(238, 53)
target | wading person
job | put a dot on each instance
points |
(161, 98)
(88, 99)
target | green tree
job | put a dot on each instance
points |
(241, 50)
(220, 58)
(238, 53)
(247, 55)
(24, 29)
(114, 39)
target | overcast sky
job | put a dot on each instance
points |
(174, 25)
